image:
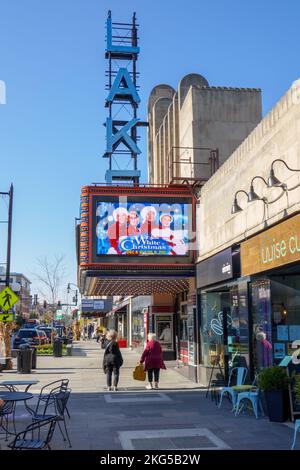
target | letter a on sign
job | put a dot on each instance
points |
(123, 87)
(116, 137)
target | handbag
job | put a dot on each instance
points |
(139, 372)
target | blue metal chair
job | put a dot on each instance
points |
(297, 426)
(253, 396)
(240, 373)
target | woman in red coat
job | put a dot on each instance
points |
(153, 358)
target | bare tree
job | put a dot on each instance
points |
(51, 275)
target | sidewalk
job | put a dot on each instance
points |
(176, 417)
(84, 370)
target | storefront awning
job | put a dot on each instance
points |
(120, 286)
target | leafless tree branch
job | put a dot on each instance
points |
(50, 275)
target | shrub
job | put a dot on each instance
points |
(273, 378)
(297, 387)
(41, 347)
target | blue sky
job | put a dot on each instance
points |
(52, 62)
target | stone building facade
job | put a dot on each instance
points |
(187, 124)
(248, 227)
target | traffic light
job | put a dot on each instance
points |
(45, 304)
(35, 301)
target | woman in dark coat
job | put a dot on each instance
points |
(153, 358)
(112, 360)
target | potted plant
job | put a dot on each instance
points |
(297, 388)
(274, 382)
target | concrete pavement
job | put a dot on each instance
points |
(178, 416)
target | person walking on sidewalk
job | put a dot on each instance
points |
(153, 358)
(112, 360)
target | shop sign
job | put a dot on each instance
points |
(218, 268)
(96, 305)
(277, 246)
(146, 321)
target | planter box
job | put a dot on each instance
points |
(277, 405)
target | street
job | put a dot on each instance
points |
(178, 416)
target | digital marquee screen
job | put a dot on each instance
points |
(142, 229)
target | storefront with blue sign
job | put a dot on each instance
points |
(224, 314)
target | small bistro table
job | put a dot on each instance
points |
(14, 397)
(15, 383)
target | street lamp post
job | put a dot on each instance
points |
(7, 327)
(9, 229)
(75, 299)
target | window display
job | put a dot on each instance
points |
(225, 334)
(164, 331)
(212, 304)
(285, 295)
(262, 332)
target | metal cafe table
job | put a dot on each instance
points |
(14, 397)
(17, 383)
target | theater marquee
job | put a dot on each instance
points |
(137, 239)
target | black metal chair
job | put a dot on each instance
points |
(6, 410)
(61, 401)
(22, 442)
(47, 390)
(58, 400)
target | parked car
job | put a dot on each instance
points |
(31, 324)
(50, 332)
(43, 337)
(26, 335)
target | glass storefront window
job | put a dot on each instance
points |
(262, 331)
(183, 334)
(212, 308)
(238, 326)
(137, 329)
(285, 304)
(276, 319)
(224, 327)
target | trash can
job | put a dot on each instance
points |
(57, 347)
(24, 359)
(34, 354)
